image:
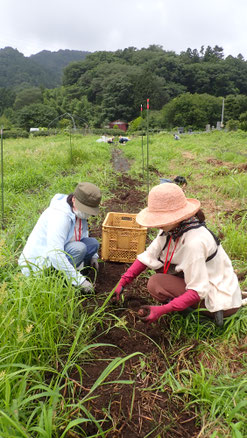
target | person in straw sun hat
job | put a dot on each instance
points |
(203, 274)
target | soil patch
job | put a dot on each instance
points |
(188, 155)
(238, 168)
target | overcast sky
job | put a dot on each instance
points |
(34, 25)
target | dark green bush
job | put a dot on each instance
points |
(107, 131)
(43, 133)
(232, 125)
(15, 133)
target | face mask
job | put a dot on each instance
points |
(80, 214)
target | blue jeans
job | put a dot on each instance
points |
(81, 251)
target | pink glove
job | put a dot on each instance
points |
(151, 313)
(134, 270)
(118, 291)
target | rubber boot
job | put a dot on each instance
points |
(218, 318)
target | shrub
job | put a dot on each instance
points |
(107, 131)
(136, 124)
(5, 122)
(232, 125)
(243, 121)
(45, 133)
(15, 133)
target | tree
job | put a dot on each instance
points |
(235, 106)
(56, 99)
(232, 125)
(35, 115)
(243, 121)
(27, 96)
(148, 85)
(7, 98)
(136, 124)
(192, 110)
(190, 56)
(5, 122)
(118, 98)
(73, 72)
(213, 55)
(82, 110)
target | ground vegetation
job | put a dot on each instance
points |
(74, 365)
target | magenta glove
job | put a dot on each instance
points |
(118, 291)
(134, 270)
(151, 313)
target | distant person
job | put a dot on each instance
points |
(110, 140)
(181, 181)
(61, 239)
(204, 275)
(123, 140)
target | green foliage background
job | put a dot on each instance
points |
(185, 89)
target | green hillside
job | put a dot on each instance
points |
(56, 61)
(43, 69)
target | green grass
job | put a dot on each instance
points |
(45, 326)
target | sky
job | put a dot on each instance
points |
(31, 26)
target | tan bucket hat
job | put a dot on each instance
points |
(87, 198)
(167, 205)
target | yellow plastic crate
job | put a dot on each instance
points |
(122, 237)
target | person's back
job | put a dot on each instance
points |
(60, 237)
(37, 248)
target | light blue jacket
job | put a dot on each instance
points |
(45, 245)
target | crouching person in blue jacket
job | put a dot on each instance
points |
(61, 239)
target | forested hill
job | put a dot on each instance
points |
(56, 61)
(43, 69)
(184, 89)
(118, 82)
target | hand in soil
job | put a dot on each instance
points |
(143, 313)
(151, 313)
(116, 296)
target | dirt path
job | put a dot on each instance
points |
(119, 162)
(132, 411)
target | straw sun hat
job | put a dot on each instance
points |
(167, 205)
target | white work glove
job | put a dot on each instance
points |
(94, 263)
(87, 287)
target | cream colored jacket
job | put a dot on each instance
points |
(214, 281)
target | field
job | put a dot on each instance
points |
(81, 366)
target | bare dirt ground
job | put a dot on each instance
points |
(133, 411)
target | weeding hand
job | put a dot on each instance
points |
(94, 263)
(118, 291)
(150, 313)
(87, 287)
